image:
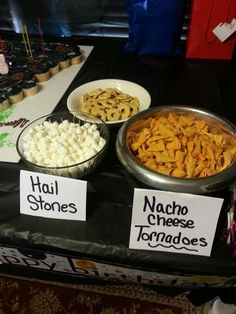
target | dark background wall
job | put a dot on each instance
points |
(66, 17)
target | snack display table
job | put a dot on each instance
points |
(99, 248)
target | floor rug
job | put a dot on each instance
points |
(25, 296)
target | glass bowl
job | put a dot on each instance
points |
(195, 185)
(64, 144)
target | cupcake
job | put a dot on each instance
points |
(62, 48)
(53, 67)
(28, 75)
(75, 57)
(4, 102)
(16, 76)
(74, 47)
(15, 94)
(42, 72)
(64, 61)
(12, 61)
(4, 81)
(29, 88)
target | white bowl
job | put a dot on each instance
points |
(130, 88)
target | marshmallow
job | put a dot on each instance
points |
(54, 144)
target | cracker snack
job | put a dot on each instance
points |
(110, 104)
(182, 145)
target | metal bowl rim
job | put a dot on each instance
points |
(135, 165)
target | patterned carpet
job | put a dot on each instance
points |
(24, 296)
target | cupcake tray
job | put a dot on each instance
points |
(17, 116)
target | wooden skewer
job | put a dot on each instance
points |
(28, 41)
(23, 36)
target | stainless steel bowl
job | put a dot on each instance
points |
(156, 180)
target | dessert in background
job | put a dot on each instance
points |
(75, 58)
(42, 72)
(53, 67)
(30, 88)
(4, 102)
(15, 93)
(23, 71)
(64, 61)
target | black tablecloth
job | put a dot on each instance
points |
(174, 80)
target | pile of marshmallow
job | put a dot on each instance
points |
(53, 144)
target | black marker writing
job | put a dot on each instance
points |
(43, 187)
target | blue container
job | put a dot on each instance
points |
(154, 26)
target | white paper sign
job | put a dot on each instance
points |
(174, 222)
(50, 196)
(225, 30)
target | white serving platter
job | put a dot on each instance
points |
(30, 108)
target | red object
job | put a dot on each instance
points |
(38, 26)
(205, 16)
(2, 46)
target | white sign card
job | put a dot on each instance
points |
(174, 222)
(225, 30)
(49, 196)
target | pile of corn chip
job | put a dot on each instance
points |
(182, 145)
